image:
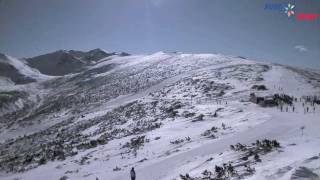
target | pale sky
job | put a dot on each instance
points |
(234, 27)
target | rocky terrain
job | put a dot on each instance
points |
(94, 114)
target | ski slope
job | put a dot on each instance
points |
(169, 100)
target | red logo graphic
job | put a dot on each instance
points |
(307, 16)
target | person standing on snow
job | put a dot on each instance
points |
(133, 174)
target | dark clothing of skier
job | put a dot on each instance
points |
(133, 174)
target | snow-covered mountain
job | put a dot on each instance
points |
(64, 62)
(15, 71)
(169, 115)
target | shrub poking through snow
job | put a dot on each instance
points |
(257, 158)
(116, 169)
(249, 155)
(198, 118)
(215, 114)
(260, 146)
(226, 171)
(210, 133)
(179, 141)
(187, 114)
(135, 143)
(259, 87)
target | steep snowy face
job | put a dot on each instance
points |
(65, 62)
(167, 114)
(17, 71)
(15, 77)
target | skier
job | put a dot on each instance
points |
(133, 174)
(307, 109)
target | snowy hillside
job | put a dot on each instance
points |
(14, 71)
(169, 115)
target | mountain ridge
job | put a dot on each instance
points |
(64, 62)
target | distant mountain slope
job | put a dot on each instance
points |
(64, 62)
(17, 71)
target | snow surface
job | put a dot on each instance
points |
(161, 160)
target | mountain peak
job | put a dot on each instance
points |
(3, 56)
(64, 62)
(97, 50)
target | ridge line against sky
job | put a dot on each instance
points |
(242, 28)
